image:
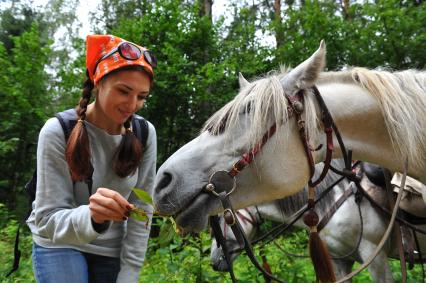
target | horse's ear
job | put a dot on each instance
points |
(243, 82)
(305, 74)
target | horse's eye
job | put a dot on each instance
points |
(247, 109)
(217, 129)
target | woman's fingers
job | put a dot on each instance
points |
(115, 196)
(100, 214)
(106, 204)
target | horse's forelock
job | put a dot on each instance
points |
(266, 102)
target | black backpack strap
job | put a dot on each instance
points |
(140, 129)
(67, 119)
(16, 253)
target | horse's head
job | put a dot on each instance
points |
(280, 167)
(249, 224)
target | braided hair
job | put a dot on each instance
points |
(127, 157)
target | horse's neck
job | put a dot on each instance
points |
(271, 211)
(361, 124)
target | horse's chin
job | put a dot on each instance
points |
(194, 217)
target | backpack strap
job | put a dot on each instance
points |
(68, 120)
(140, 129)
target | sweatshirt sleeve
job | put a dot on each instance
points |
(135, 242)
(56, 215)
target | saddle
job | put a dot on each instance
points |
(412, 205)
(413, 197)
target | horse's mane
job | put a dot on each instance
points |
(402, 100)
(401, 96)
(265, 100)
(291, 204)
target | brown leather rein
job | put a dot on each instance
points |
(223, 183)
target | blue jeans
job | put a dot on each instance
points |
(73, 266)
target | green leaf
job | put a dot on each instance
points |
(167, 234)
(142, 195)
(139, 214)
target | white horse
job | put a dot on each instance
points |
(341, 233)
(381, 117)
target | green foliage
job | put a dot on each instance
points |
(199, 60)
(24, 104)
(380, 33)
(143, 195)
(8, 228)
(138, 213)
(186, 259)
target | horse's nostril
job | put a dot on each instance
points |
(165, 180)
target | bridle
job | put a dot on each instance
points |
(223, 183)
(250, 219)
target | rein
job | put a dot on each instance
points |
(222, 183)
(281, 228)
(387, 233)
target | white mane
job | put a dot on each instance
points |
(402, 100)
(401, 96)
(266, 102)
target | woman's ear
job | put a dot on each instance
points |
(95, 91)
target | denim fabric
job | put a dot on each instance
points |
(69, 265)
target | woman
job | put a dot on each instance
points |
(80, 236)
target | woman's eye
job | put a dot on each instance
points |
(123, 91)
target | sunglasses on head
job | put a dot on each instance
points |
(130, 51)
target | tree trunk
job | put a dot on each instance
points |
(345, 9)
(279, 33)
(206, 8)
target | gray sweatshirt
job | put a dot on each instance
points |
(61, 216)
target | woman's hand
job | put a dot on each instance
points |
(106, 205)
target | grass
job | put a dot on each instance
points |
(186, 260)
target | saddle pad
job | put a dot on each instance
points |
(414, 197)
(411, 184)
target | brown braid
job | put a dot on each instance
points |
(78, 153)
(128, 156)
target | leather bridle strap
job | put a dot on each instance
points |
(280, 229)
(248, 157)
(327, 120)
(295, 107)
(387, 232)
(235, 225)
(332, 210)
(221, 242)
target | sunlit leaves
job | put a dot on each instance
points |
(143, 195)
(139, 213)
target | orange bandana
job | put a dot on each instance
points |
(99, 46)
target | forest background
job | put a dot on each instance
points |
(199, 61)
